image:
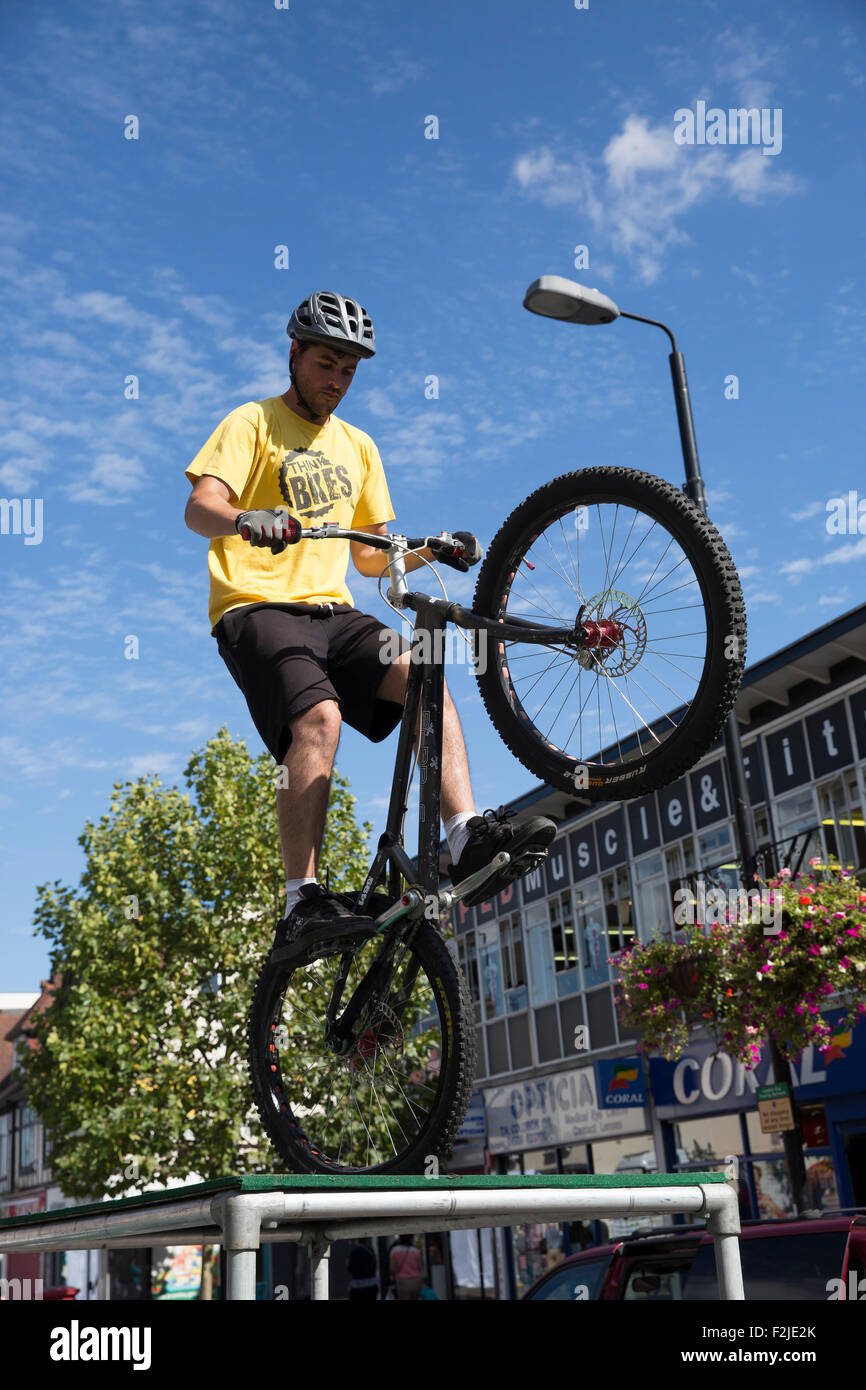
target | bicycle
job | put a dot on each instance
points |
(362, 1055)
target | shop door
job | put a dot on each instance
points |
(854, 1143)
(842, 823)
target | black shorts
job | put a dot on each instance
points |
(287, 657)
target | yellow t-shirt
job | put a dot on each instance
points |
(271, 457)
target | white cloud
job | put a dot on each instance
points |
(644, 184)
(842, 555)
(393, 73)
(111, 480)
(807, 512)
(165, 765)
(747, 275)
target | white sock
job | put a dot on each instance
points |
(293, 891)
(456, 833)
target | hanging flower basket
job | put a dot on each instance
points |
(685, 976)
(745, 982)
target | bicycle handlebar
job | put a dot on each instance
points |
(331, 531)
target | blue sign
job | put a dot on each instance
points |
(620, 1082)
(474, 1127)
(705, 1083)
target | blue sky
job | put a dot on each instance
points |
(305, 127)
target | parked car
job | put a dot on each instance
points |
(793, 1259)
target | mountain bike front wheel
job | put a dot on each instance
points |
(648, 587)
(394, 1099)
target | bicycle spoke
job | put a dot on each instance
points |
(622, 569)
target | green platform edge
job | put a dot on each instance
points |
(326, 1182)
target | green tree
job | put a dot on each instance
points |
(140, 1071)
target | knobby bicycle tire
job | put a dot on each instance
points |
(435, 1138)
(724, 612)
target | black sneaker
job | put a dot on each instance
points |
(489, 835)
(320, 918)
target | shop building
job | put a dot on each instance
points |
(536, 957)
(26, 1184)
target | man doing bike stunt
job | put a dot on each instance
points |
(303, 656)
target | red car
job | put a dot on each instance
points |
(800, 1259)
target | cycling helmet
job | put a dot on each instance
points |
(327, 317)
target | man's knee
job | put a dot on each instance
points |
(320, 723)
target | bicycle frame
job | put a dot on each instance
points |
(424, 706)
(425, 694)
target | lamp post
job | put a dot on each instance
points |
(554, 297)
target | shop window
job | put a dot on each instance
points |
(633, 1153)
(617, 910)
(537, 1247)
(574, 1158)
(714, 845)
(511, 938)
(592, 936)
(813, 1127)
(27, 1139)
(796, 816)
(823, 1194)
(759, 1142)
(469, 955)
(564, 944)
(707, 1140)
(718, 861)
(773, 1189)
(653, 911)
(842, 825)
(675, 873)
(490, 970)
(539, 950)
(5, 1148)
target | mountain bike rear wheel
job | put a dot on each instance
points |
(645, 579)
(397, 1097)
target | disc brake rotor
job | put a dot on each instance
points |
(385, 1033)
(615, 633)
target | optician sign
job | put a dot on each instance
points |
(561, 1108)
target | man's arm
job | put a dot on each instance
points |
(371, 562)
(209, 510)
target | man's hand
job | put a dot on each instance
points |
(272, 526)
(461, 556)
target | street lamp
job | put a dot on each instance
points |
(554, 297)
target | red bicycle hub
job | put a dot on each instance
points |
(601, 635)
